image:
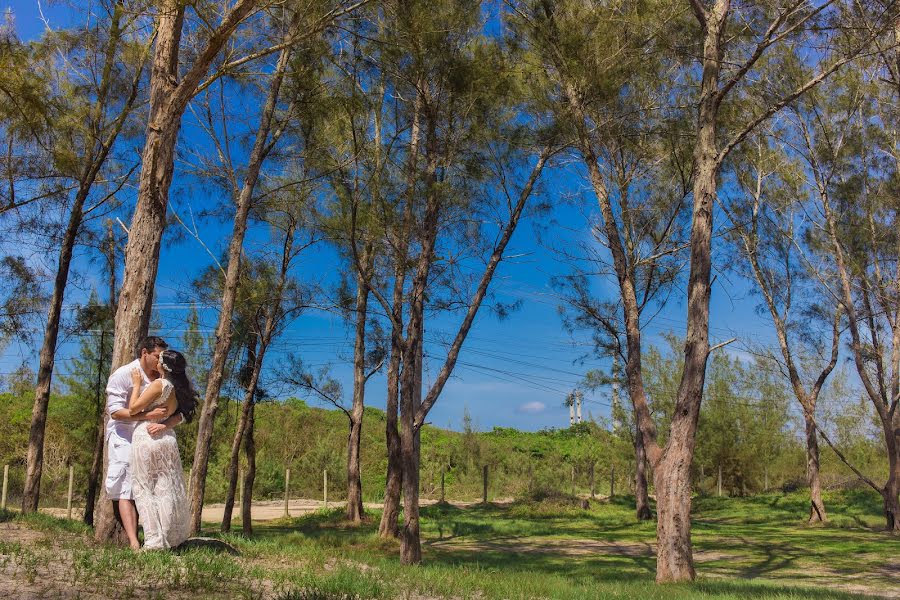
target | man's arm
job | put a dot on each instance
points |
(124, 415)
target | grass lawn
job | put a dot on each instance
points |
(744, 548)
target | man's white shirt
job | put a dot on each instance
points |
(118, 395)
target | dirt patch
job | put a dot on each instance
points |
(27, 575)
(35, 565)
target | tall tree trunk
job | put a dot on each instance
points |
(97, 457)
(355, 510)
(35, 461)
(410, 399)
(817, 506)
(95, 162)
(149, 220)
(250, 475)
(674, 560)
(891, 491)
(641, 493)
(262, 146)
(238, 438)
(393, 484)
(391, 512)
(168, 101)
(672, 472)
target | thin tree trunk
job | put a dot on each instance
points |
(890, 417)
(262, 146)
(355, 510)
(250, 475)
(236, 441)
(393, 484)
(90, 498)
(391, 512)
(97, 457)
(891, 491)
(99, 153)
(35, 460)
(750, 239)
(414, 409)
(817, 506)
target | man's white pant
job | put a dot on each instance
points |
(118, 473)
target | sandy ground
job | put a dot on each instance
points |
(270, 510)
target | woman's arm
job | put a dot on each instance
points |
(171, 404)
(140, 402)
(173, 417)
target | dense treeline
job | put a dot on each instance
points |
(747, 428)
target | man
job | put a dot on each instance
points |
(121, 425)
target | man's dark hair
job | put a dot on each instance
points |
(150, 343)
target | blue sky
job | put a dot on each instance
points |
(512, 373)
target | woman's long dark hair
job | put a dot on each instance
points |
(175, 372)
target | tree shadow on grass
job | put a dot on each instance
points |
(752, 590)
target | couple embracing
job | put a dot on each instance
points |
(146, 399)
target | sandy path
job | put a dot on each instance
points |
(268, 510)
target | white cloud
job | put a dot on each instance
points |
(532, 408)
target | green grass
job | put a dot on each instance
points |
(744, 548)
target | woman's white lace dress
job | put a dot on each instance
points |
(158, 484)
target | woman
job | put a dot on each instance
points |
(156, 477)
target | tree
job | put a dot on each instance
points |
(857, 259)
(170, 91)
(351, 144)
(725, 63)
(607, 82)
(273, 300)
(461, 110)
(764, 222)
(86, 383)
(92, 142)
(267, 135)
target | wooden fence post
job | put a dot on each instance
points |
(593, 491)
(485, 481)
(5, 485)
(325, 486)
(720, 479)
(69, 501)
(443, 472)
(287, 491)
(240, 485)
(612, 481)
